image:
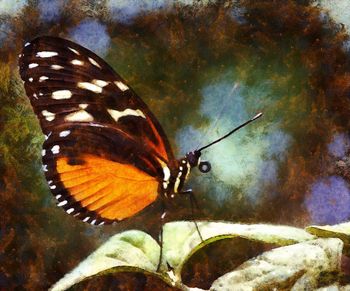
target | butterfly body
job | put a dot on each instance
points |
(174, 180)
(105, 155)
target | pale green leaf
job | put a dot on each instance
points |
(294, 267)
(132, 248)
(181, 239)
(341, 231)
(137, 251)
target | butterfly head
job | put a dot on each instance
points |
(194, 159)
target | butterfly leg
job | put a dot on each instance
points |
(194, 203)
(162, 217)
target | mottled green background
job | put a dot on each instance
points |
(202, 67)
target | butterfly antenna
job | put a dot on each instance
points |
(231, 132)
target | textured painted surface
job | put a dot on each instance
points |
(202, 69)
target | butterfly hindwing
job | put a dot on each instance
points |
(102, 142)
(98, 185)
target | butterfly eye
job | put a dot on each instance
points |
(204, 167)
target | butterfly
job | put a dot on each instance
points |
(105, 155)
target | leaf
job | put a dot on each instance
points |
(341, 231)
(137, 251)
(133, 248)
(181, 239)
(294, 267)
(334, 287)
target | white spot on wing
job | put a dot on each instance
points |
(80, 115)
(90, 86)
(102, 223)
(99, 83)
(83, 106)
(55, 149)
(56, 67)
(70, 210)
(74, 51)
(58, 196)
(46, 54)
(121, 85)
(92, 61)
(96, 124)
(127, 112)
(52, 187)
(33, 65)
(35, 96)
(166, 172)
(43, 153)
(48, 135)
(64, 133)
(86, 219)
(93, 222)
(44, 167)
(61, 94)
(49, 116)
(64, 202)
(26, 44)
(30, 79)
(77, 62)
(43, 78)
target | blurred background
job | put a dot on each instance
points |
(203, 67)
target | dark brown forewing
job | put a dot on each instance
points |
(68, 83)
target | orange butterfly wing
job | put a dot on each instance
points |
(112, 190)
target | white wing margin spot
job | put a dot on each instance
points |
(121, 86)
(99, 83)
(74, 51)
(49, 116)
(92, 61)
